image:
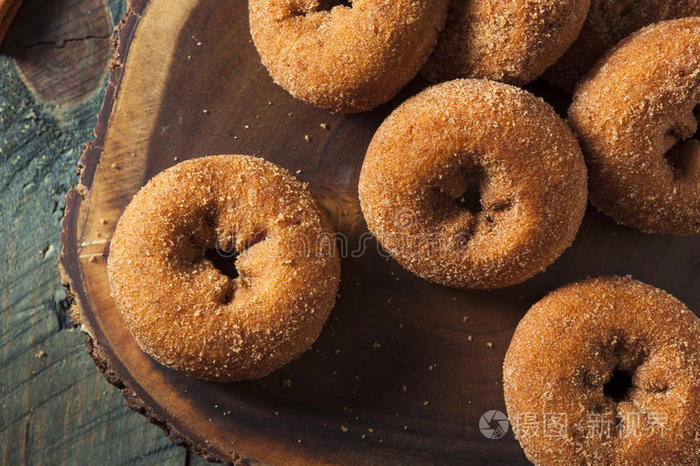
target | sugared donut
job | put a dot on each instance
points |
(175, 241)
(345, 56)
(505, 40)
(474, 184)
(606, 371)
(607, 23)
(636, 115)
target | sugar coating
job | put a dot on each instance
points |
(509, 41)
(345, 59)
(635, 115)
(566, 349)
(607, 23)
(523, 158)
(187, 314)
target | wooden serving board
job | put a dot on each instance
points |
(404, 369)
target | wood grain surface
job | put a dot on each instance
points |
(404, 369)
(55, 407)
(61, 48)
(8, 10)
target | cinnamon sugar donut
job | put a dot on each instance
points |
(606, 371)
(636, 115)
(474, 184)
(607, 23)
(168, 259)
(345, 56)
(505, 40)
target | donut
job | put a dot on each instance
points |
(223, 268)
(345, 56)
(635, 115)
(606, 371)
(505, 40)
(473, 184)
(607, 23)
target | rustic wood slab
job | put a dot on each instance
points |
(404, 369)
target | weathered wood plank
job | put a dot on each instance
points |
(55, 407)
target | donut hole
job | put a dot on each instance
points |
(684, 145)
(320, 5)
(225, 255)
(464, 200)
(462, 191)
(206, 241)
(471, 198)
(622, 358)
(223, 261)
(619, 386)
(328, 5)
